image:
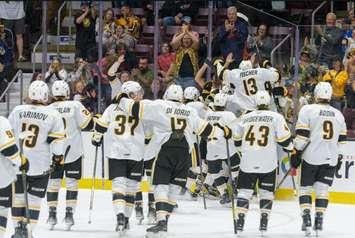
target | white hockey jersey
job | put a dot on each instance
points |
(125, 134)
(321, 132)
(259, 132)
(248, 82)
(167, 116)
(46, 126)
(150, 150)
(8, 152)
(199, 107)
(216, 144)
(75, 117)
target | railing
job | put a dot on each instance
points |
(58, 26)
(34, 54)
(313, 15)
(18, 75)
(277, 47)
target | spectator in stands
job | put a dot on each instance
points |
(350, 93)
(232, 36)
(131, 3)
(81, 71)
(122, 37)
(337, 77)
(78, 90)
(90, 99)
(130, 22)
(109, 27)
(144, 75)
(329, 40)
(173, 11)
(165, 59)
(37, 76)
(6, 61)
(117, 81)
(185, 66)
(12, 15)
(55, 72)
(261, 43)
(102, 76)
(352, 27)
(85, 42)
(129, 59)
(148, 19)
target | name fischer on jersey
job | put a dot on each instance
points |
(248, 72)
(326, 113)
(33, 115)
(259, 119)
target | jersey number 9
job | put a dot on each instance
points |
(328, 131)
(31, 141)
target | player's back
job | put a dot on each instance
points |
(199, 107)
(75, 117)
(325, 124)
(125, 133)
(259, 132)
(45, 125)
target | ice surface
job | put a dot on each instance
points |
(192, 221)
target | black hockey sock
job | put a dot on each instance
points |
(265, 205)
(71, 198)
(321, 204)
(151, 197)
(52, 199)
(139, 197)
(220, 183)
(118, 198)
(3, 219)
(242, 205)
(18, 213)
(305, 202)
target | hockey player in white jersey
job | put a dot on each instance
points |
(258, 134)
(174, 123)
(320, 135)
(126, 135)
(76, 118)
(10, 164)
(216, 147)
(43, 148)
(247, 81)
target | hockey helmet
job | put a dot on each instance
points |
(38, 91)
(245, 64)
(191, 93)
(60, 89)
(132, 89)
(220, 100)
(323, 90)
(174, 93)
(262, 97)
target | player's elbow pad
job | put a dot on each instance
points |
(89, 126)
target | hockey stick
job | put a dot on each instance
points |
(22, 137)
(201, 174)
(232, 186)
(93, 185)
(103, 163)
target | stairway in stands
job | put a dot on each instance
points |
(15, 94)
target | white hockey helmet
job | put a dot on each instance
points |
(38, 91)
(174, 93)
(132, 89)
(245, 64)
(323, 90)
(262, 97)
(60, 89)
(191, 93)
(220, 100)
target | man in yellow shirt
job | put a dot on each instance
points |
(337, 77)
(130, 22)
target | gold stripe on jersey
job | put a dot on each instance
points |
(141, 109)
(56, 135)
(86, 122)
(282, 139)
(101, 123)
(301, 137)
(193, 157)
(7, 144)
(202, 128)
(302, 126)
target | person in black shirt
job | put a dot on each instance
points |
(85, 32)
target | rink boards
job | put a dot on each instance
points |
(342, 191)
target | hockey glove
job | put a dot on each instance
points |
(226, 130)
(118, 98)
(57, 161)
(96, 139)
(340, 161)
(295, 159)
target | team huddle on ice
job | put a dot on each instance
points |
(173, 141)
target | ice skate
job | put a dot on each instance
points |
(68, 219)
(139, 213)
(263, 223)
(307, 223)
(52, 218)
(151, 214)
(318, 223)
(20, 231)
(240, 222)
(160, 230)
(225, 199)
(121, 224)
